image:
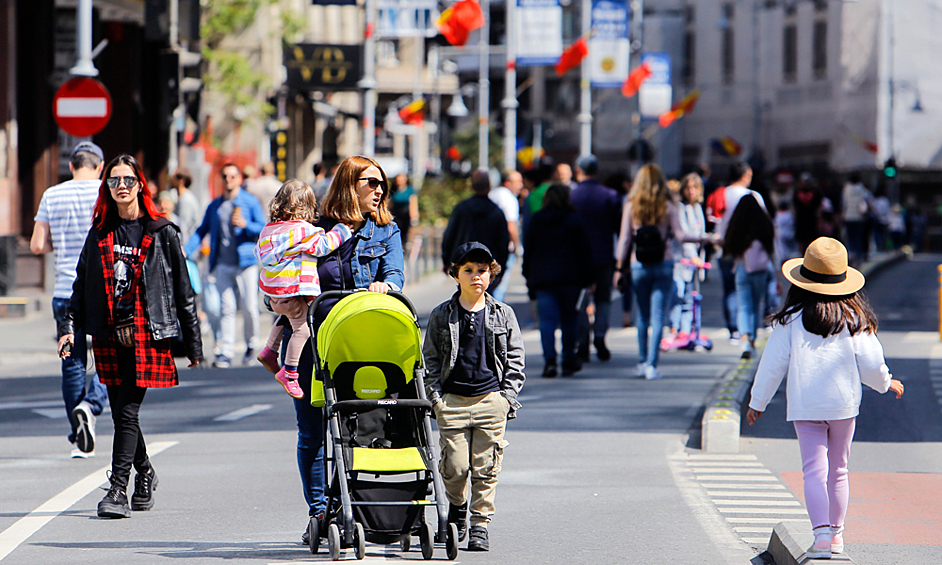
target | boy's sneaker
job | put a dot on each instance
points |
(114, 504)
(477, 540)
(651, 373)
(289, 380)
(821, 548)
(457, 515)
(221, 362)
(79, 454)
(269, 360)
(84, 422)
(549, 371)
(144, 486)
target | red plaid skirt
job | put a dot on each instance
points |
(153, 362)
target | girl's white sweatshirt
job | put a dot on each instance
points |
(824, 374)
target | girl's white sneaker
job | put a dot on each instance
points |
(821, 548)
(837, 539)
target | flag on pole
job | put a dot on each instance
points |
(413, 113)
(684, 106)
(572, 56)
(637, 76)
(458, 21)
(726, 146)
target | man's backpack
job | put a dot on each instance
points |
(649, 245)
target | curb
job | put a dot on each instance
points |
(789, 541)
(722, 413)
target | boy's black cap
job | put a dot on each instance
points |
(471, 252)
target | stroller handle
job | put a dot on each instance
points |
(340, 294)
(348, 406)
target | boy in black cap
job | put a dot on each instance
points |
(474, 356)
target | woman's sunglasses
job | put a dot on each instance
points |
(115, 182)
(374, 182)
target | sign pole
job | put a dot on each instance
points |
(509, 102)
(368, 83)
(484, 91)
(585, 115)
(83, 40)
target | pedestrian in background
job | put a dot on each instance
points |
(188, 208)
(649, 224)
(620, 182)
(856, 205)
(506, 196)
(600, 209)
(692, 221)
(61, 224)
(474, 357)
(265, 187)
(824, 341)
(558, 267)
(750, 243)
(404, 206)
(806, 205)
(132, 294)
(233, 222)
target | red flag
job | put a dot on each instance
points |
(457, 22)
(684, 106)
(631, 85)
(413, 113)
(572, 56)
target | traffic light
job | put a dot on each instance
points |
(889, 168)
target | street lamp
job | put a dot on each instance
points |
(457, 109)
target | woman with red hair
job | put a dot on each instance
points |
(132, 294)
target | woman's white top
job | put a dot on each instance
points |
(824, 374)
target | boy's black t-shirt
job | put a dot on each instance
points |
(473, 374)
(128, 236)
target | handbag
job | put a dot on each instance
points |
(124, 332)
(193, 270)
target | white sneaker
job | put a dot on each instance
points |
(79, 454)
(821, 548)
(651, 373)
(84, 422)
(640, 369)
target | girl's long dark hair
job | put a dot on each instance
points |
(748, 223)
(825, 315)
(106, 209)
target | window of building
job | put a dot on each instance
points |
(790, 47)
(729, 48)
(688, 73)
(819, 54)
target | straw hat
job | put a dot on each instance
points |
(824, 269)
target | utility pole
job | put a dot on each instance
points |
(585, 114)
(484, 91)
(83, 38)
(368, 82)
(509, 102)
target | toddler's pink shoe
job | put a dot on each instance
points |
(268, 359)
(289, 380)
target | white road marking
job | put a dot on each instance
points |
(749, 478)
(243, 413)
(707, 470)
(22, 405)
(28, 525)
(798, 511)
(51, 413)
(758, 502)
(750, 493)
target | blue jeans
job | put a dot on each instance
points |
(682, 307)
(557, 308)
(73, 372)
(750, 291)
(602, 277)
(729, 294)
(653, 285)
(310, 433)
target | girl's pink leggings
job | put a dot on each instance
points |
(825, 447)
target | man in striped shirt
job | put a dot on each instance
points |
(62, 223)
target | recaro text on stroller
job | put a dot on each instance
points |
(383, 457)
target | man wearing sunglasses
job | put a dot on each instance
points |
(62, 223)
(233, 222)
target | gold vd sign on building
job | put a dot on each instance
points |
(313, 66)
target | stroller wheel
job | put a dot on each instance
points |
(313, 535)
(359, 541)
(333, 542)
(405, 544)
(427, 540)
(451, 542)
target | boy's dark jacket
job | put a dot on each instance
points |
(503, 341)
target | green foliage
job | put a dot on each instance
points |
(439, 196)
(466, 140)
(222, 18)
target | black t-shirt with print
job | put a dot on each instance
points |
(127, 256)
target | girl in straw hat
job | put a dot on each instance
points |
(824, 339)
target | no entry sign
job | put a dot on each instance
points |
(82, 106)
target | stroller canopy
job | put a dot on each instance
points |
(372, 339)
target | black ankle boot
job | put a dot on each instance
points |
(457, 515)
(478, 540)
(144, 486)
(114, 504)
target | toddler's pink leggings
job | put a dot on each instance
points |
(825, 447)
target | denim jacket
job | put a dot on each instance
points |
(378, 254)
(503, 341)
(245, 237)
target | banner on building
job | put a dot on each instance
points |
(407, 18)
(539, 32)
(315, 66)
(655, 94)
(608, 47)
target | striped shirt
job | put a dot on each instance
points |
(67, 208)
